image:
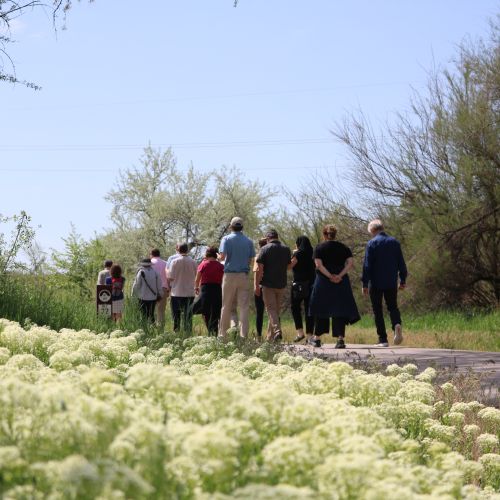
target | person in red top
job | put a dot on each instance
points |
(209, 276)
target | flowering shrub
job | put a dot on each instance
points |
(97, 416)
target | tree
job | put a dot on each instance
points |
(22, 236)
(80, 262)
(158, 204)
(13, 9)
(438, 167)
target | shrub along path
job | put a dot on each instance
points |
(485, 364)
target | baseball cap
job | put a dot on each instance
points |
(236, 221)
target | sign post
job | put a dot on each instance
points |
(103, 300)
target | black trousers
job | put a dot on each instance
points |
(212, 305)
(297, 314)
(181, 312)
(259, 313)
(322, 325)
(391, 301)
(147, 308)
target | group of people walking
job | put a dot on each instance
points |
(219, 287)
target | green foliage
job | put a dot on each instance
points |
(80, 262)
(22, 236)
(158, 205)
(435, 177)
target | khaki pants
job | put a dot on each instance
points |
(160, 308)
(272, 300)
(235, 287)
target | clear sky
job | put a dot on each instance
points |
(257, 86)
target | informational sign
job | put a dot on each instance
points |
(103, 299)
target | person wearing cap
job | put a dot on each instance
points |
(237, 252)
(273, 262)
(182, 274)
(147, 287)
(105, 273)
(160, 266)
(383, 267)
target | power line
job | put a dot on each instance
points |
(98, 170)
(182, 145)
(263, 93)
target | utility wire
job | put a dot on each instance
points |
(182, 145)
(97, 170)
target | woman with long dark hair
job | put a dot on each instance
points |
(303, 279)
(332, 296)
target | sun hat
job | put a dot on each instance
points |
(145, 263)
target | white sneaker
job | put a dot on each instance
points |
(398, 334)
(381, 344)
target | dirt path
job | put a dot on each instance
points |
(487, 364)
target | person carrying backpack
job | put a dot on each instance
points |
(148, 289)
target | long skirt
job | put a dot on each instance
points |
(333, 300)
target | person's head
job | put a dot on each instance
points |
(108, 264)
(211, 253)
(375, 227)
(329, 232)
(271, 235)
(304, 244)
(155, 252)
(145, 262)
(262, 242)
(116, 271)
(237, 224)
(183, 248)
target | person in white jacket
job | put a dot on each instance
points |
(148, 289)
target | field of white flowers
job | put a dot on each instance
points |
(97, 416)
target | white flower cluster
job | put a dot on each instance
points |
(96, 416)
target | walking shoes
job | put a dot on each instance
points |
(398, 334)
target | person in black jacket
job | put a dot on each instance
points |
(383, 267)
(303, 280)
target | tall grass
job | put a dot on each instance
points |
(32, 299)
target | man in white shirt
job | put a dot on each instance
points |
(181, 275)
(101, 278)
(160, 266)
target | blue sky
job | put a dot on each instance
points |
(257, 86)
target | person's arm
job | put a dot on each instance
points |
(349, 263)
(257, 278)
(135, 285)
(322, 269)
(159, 286)
(197, 283)
(221, 256)
(367, 265)
(403, 271)
(294, 260)
(289, 266)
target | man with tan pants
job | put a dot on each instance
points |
(273, 261)
(160, 266)
(237, 252)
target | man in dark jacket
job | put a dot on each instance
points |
(383, 267)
